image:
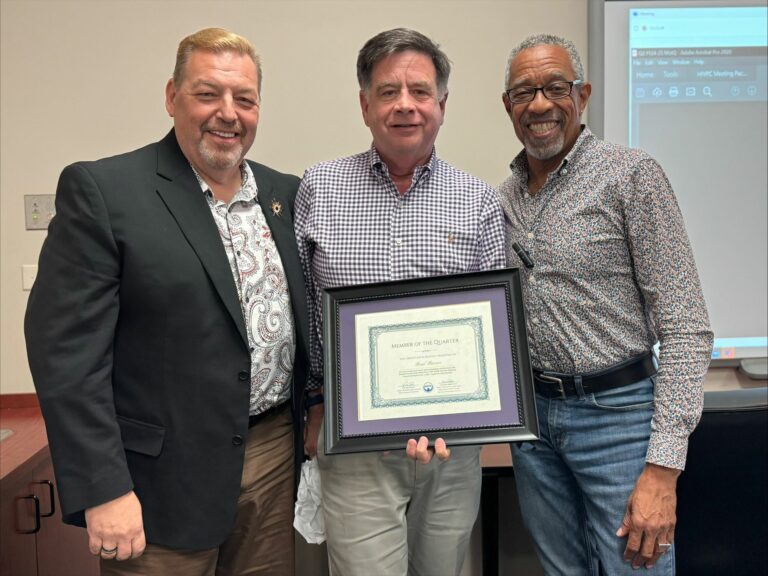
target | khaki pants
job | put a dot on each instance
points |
(262, 540)
(386, 515)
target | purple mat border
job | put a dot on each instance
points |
(507, 416)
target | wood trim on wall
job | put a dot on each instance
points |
(18, 401)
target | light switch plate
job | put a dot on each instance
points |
(38, 210)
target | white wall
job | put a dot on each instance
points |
(84, 79)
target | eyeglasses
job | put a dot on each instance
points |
(554, 91)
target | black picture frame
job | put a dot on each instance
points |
(498, 293)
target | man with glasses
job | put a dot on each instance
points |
(608, 272)
(394, 212)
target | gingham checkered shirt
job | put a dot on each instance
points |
(354, 227)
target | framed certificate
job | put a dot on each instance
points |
(443, 357)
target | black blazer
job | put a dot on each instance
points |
(137, 343)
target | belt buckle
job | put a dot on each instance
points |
(554, 380)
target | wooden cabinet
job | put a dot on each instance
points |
(18, 550)
(33, 539)
(62, 550)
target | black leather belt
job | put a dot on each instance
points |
(557, 385)
(273, 411)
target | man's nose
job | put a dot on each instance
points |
(404, 101)
(539, 102)
(226, 111)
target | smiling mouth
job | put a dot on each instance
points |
(222, 134)
(542, 127)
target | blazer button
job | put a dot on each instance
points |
(237, 440)
(243, 375)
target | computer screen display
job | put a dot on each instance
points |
(688, 82)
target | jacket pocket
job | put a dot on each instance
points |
(141, 437)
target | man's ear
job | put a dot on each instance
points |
(364, 106)
(507, 103)
(585, 91)
(442, 106)
(170, 95)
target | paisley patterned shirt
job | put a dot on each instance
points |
(263, 290)
(613, 273)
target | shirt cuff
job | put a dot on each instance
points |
(314, 400)
(667, 450)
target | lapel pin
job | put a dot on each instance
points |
(277, 208)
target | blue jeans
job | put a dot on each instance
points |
(573, 483)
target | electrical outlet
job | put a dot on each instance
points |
(28, 275)
(39, 209)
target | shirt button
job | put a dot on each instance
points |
(535, 321)
(242, 375)
(532, 278)
(526, 195)
(564, 171)
(237, 440)
(530, 235)
(398, 241)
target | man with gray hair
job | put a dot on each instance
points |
(166, 335)
(394, 212)
(608, 272)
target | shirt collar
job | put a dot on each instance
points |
(578, 148)
(519, 165)
(248, 190)
(378, 167)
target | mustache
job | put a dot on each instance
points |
(234, 127)
(528, 117)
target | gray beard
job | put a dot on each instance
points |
(220, 160)
(547, 151)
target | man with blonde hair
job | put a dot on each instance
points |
(167, 333)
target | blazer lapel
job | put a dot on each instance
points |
(280, 220)
(180, 191)
(277, 213)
